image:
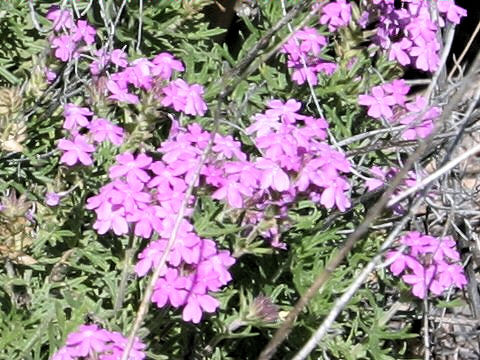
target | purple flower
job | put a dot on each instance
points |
(379, 179)
(287, 112)
(378, 103)
(451, 274)
(171, 288)
(75, 116)
(64, 46)
(426, 53)
(452, 12)
(121, 93)
(398, 52)
(398, 89)
(50, 75)
(263, 125)
(84, 31)
(421, 279)
(310, 40)
(149, 258)
(78, 150)
(131, 167)
(164, 64)
(272, 175)
(87, 341)
(195, 306)
(91, 342)
(60, 18)
(147, 220)
(232, 191)
(184, 97)
(110, 217)
(227, 148)
(102, 129)
(334, 195)
(402, 262)
(336, 14)
(119, 58)
(52, 199)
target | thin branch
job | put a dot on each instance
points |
(285, 329)
(352, 289)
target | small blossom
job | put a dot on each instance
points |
(77, 150)
(64, 46)
(52, 199)
(184, 97)
(102, 130)
(378, 103)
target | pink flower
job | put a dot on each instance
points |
(263, 125)
(119, 58)
(426, 53)
(147, 220)
(398, 89)
(121, 93)
(171, 288)
(402, 262)
(272, 175)
(84, 31)
(78, 150)
(131, 167)
(139, 73)
(102, 129)
(184, 97)
(310, 40)
(378, 103)
(195, 306)
(52, 199)
(87, 341)
(232, 191)
(149, 258)
(65, 47)
(378, 181)
(336, 14)
(165, 63)
(451, 274)
(63, 354)
(91, 342)
(287, 112)
(75, 116)
(334, 195)
(227, 147)
(452, 12)
(109, 217)
(50, 75)
(60, 18)
(130, 195)
(418, 243)
(422, 279)
(398, 51)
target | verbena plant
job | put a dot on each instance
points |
(169, 192)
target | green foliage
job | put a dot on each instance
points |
(74, 276)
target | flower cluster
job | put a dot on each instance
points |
(389, 101)
(409, 33)
(303, 56)
(383, 175)
(427, 264)
(92, 342)
(126, 77)
(84, 133)
(336, 14)
(70, 35)
(145, 196)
